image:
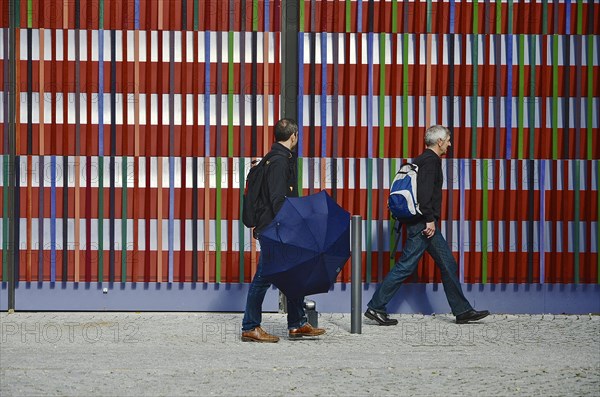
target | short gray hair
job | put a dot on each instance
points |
(434, 133)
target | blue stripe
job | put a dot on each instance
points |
(207, 94)
(300, 92)
(324, 95)
(369, 95)
(266, 17)
(171, 212)
(508, 115)
(136, 14)
(568, 17)
(53, 218)
(101, 92)
(452, 16)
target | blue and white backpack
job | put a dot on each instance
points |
(403, 203)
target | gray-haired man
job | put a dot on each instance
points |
(423, 235)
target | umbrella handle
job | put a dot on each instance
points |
(277, 230)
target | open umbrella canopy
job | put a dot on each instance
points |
(306, 245)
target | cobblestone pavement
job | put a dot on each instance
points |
(170, 354)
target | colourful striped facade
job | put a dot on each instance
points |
(137, 121)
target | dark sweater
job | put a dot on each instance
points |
(281, 182)
(429, 186)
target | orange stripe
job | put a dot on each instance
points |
(66, 14)
(160, 17)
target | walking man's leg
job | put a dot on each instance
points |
(416, 244)
(442, 255)
(251, 329)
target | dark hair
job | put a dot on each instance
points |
(284, 129)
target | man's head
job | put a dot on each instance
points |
(437, 138)
(286, 133)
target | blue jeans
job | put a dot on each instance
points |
(256, 295)
(416, 245)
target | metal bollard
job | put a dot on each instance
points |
(356, 284)
(312, 316)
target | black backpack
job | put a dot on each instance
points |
(254, 202)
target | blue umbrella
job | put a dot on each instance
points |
(306, 245)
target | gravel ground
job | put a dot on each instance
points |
(172, 354)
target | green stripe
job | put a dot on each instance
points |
(124, 222)
(405, 95)
(576, 188)
(484, 225)
(579, 16)
(17, 16)
(368, 238)
(475, 17)
(6, 161)
(348, 16)
(382, 37)
(532, 99)
(510, 16)
(218, 223)
(498, 16)
(521, 95)
(474, 59)
(301, 16)
(241, 229)
(394, 16)
(29, 13)
(544, 16)
(429, 15)
(255, 15)
(589, 103)
(101, 14)
(554, 96)
(230, 94)
(101, 219)
(300, 172)
(196, 14)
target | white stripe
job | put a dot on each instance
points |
(562, 44)
(471, 243)
(197, 38)
(129, 100)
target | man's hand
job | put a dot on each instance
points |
(429, 230)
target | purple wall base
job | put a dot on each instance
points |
(411, 298)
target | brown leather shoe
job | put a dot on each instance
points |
(306, 330)
(259, 335)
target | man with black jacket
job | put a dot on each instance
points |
(423, 235)
(280, 182)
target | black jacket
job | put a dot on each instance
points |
(429, 186)
(281, 182)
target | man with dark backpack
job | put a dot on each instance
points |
(424, 235)
(267, 188)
